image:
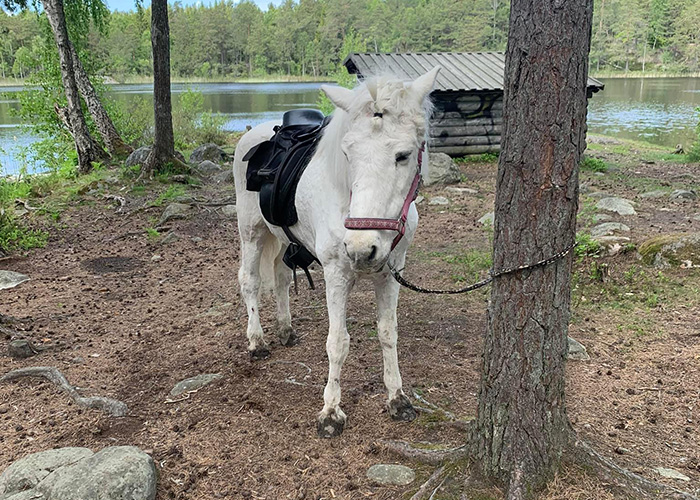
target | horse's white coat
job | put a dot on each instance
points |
(357, 153)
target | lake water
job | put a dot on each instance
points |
(657, 110)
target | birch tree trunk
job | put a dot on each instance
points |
(88, 151)
(164, 142)
(111, 138)
(522, 427)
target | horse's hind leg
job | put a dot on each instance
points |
(253, 242)
(283, 279)
(387, 292)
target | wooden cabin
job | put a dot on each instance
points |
(468, 95)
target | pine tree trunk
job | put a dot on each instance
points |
(522, 426)
(111, 138)
(88, 151)
(164, 142)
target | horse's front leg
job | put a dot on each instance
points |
(331, 420)
(387, 292)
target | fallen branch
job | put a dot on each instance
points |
(433, 457)
(428, 487)
(110, 406)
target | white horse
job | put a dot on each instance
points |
(362, 175)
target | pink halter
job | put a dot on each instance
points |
(398, 225)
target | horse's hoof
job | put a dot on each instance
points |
(331, 425)
(400, 408)
(288, 337)
(259, 353)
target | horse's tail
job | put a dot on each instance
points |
(270, 251)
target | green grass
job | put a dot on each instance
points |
(590, 164)
(173, 191)
(482, 158)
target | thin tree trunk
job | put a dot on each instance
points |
(522, 426)
(88, 151)
(164, 142)
(110, 136)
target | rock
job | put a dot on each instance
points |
(169, 238)
(671, 474)
(601, 218)
(618, 205)
(208, 167)
(608, 228)
(461, 191)
(598, 195)
(653, 195)
(441, 170)
(229, 211)
(388, 474)
(156, 258)
(28, 472)
(419, 199)
(577, 351)
(672, 250)
(439, 200)
(175, 211)
(225, 177)
(487, 220)
(210, 152)
(683, 195)
(21, 349)
(194, 383)
(114, 473)
(140, 155)
(10, 279)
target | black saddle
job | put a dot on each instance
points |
(274, 169)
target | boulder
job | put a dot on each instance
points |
(608, 228)
(618, 205)
(390, 474)
(461, 191)
(654, 195)
(672, 250)
(229, 211)
(439, 200)
(577, 351)
(139, 156)
(208, 168)
(441, 170)
(671, 474)
(487, 219)
(10, 279)
(20, 349)
(683, 195)
(210, 152)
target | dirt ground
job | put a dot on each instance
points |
(124, 315)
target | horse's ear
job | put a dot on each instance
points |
(340, 96)
(423, 85)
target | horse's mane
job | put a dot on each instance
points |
(392, 96)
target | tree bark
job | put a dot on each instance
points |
(164, 142)
(522, 427)
(111, 138)
(87, 150)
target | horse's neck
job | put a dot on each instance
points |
(329, 167)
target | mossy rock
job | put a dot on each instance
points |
(672, 250)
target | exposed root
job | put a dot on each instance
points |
(621, 479)
(433, 457)
(431, 486)
(435, 408)
(110, 406)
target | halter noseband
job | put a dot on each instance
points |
(398, 225)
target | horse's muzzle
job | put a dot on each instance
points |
(366, 251)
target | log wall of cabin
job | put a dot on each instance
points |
(466, 122)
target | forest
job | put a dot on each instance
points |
(308, 38)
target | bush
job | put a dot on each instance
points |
(192, 125)
(694, 153)
(591, 164)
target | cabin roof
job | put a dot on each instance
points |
(461, 71)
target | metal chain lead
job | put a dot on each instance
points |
(397, 275)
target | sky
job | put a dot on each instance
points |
(127, 5)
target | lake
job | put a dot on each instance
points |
(657, 110)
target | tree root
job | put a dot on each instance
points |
(621, 479)
(110, 406)
(432, 457)
(431, 486)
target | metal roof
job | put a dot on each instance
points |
(467, 71)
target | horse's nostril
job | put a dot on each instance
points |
(372, 253)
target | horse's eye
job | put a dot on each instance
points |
(400, 157)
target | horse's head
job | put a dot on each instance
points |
(382, 146)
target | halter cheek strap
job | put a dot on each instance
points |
(399, 224)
